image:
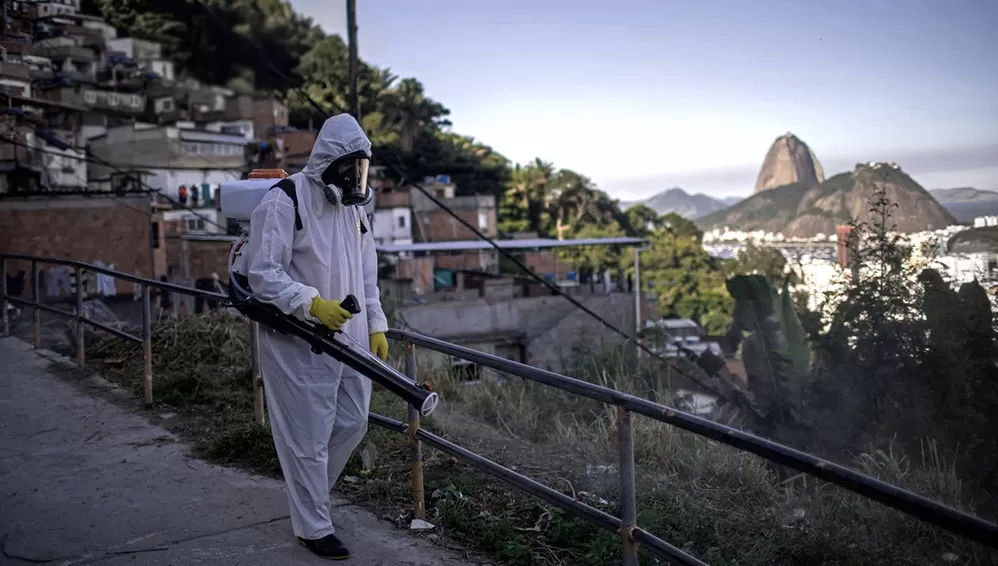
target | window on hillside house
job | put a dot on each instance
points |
(465, 371)
(401, 221)
(515, 352)
(483, 221)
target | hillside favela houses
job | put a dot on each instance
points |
(99, 135)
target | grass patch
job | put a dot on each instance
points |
(724, 506)
(201, 370)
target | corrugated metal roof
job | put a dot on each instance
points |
(206, 237)
(469, 245)
(533, 243)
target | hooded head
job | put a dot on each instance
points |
(341, 153)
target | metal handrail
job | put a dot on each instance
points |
(953, 520)
(131, 278)
(537, 489)
(81, 319)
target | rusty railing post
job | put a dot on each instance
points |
(628, 495)
(147, 342)
(36, 295)
(259, 415)
(81, 356)
(415, 447)
(3, 297)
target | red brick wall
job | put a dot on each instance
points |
(109, 230)
(440, 226)
(544, 262)
(846, 239)
(393, 199)
(464, 260)
(263, 116)
(297, 147)
(419, 270)
(204, 258)
(209, 257)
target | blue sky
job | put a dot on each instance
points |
(643, 95)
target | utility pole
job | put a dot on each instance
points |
(637, 295)
(352, 39)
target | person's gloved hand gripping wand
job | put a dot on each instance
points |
(329, 312)
(333, 316)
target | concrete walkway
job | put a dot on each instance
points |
(84, 481)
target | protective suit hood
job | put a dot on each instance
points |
(340, 135)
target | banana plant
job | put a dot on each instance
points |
(797, 345)
(774, 348)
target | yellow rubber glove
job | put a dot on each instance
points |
(329, 313)
(379, 345)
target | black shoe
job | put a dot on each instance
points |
(328, 547)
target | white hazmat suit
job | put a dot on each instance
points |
(318, 407)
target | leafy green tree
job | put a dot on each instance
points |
(217, 41)
(411, 112)
(474, 168)
(689, 282)
(682, 227)
(529, 194)
(644, 220)
(765, 261)
(904, 358)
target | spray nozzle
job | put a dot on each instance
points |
(350, 304)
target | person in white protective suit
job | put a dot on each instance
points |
(305, 262)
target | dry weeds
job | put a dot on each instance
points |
(724, 506)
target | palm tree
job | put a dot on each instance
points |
(408, 108)
(376, 86)
(569, 198)
(531, 191)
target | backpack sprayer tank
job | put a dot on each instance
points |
(238, 201)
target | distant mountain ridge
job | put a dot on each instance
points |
(967, 203)
(801, 210)
(963, 194)
(682, 203)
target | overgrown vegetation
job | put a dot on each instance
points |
(722, 505)
(895, 357)
(903, 352)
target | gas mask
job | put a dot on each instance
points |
(349, 175)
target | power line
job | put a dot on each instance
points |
(352, 47)
(90, 158)
(169, 199)
(116, 197)
(553, 288)
(263, 56)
